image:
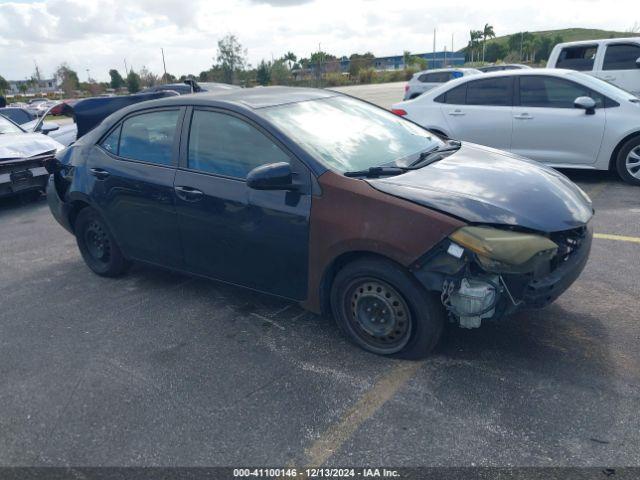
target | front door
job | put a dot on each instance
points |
(620, 66)
(257, 239)
(548, 128)
(131, 173)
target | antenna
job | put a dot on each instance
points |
(164, 65)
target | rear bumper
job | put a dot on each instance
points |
(59, 208)
(12, 183)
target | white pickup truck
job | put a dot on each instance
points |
(616, 60)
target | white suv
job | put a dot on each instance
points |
(563, 118)
(427, 79)
(616, 60)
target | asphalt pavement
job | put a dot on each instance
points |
(157, 368)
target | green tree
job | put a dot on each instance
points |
(495, 51)
(4, 85)
(290, 58)
(116, 79)
(359, 62)
(279, 73)
(406, 59)
(487, 32)
(263, 73)
(231, 57)
(474, 42)
(133, 82)
(67, 79)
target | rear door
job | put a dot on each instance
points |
(258, 239)
(548, 128)
(131, 182)
(480, 111)
(620, 66)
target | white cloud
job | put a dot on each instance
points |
(99, 35)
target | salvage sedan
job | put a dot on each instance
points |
(22, 157)
(328, 201)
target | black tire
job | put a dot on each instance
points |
(629, 152)
(382, 309)
(97, 246)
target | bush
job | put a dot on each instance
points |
(367, 75)
(336, 79)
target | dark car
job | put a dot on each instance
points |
(191, 86)
(326, 200)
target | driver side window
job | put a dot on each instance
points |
(226, 145)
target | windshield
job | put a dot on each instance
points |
(8, 127)
(347, 134)
(605, 87)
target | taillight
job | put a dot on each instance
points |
(406, 88)
(399, 111)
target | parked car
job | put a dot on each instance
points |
(563, 118)
(190, 86)
(615, 60)
(22, 157)
(326, 200)
(426, 80)
(17, 115)
(499, 67)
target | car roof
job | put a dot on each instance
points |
(252, 98)
(448, 69)
(599, 41)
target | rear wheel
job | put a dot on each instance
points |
(628, 161)
(382, 309)
(97, 246)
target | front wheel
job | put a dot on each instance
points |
(382, 309)
(97, 246)
(628, 161)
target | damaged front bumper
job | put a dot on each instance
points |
(22, 175)
(473, 291)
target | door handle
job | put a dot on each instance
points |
(99, 173)
(188, 194)
(523, 116)
(608, 78)
(456, 113)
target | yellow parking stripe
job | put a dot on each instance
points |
(619, 238)
(337, 434)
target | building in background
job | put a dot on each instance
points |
(34, 87)
(434, 60)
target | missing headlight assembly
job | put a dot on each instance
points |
(485, 273)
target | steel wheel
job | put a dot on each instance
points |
(633, 162)
(378, 315)
(97, 242)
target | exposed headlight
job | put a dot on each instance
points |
(504, 251)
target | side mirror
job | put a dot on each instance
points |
(588, 104)
(273, 176)
(48, 127)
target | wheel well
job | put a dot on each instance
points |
(76, 206)
(614, 155)
(332, 270)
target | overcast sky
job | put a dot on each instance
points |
(100, 34)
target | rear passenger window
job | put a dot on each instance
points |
(491, 91)
(149, 137)
(455, 96)
(577, 58)
(438, 77)
(551, 92)
(226, 145)
(621, 57)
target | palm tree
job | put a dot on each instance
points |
(486, 33)
(475, 35)
(407, 59)
(290, 58)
